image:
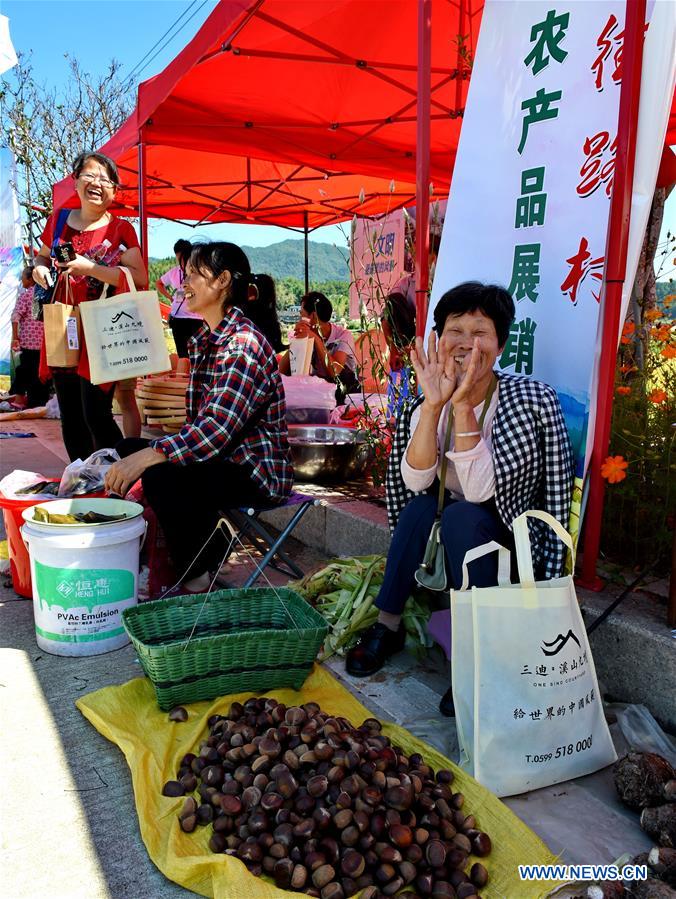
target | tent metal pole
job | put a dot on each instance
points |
(307, 252)
(614, 276)
(422, 162)
(143, 198)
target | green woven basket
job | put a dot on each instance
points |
(243, 640)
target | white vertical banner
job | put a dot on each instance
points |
(11, 253)
(376, 261)
(533, 178)
(7, 53)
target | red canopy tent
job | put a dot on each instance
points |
(283, 112)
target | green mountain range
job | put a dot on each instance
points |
(286, 259)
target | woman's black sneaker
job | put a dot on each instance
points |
(373, 649)
(446, 706)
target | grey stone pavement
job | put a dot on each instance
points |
(68, 822)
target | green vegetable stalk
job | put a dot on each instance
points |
(344, 592)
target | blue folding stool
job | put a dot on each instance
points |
(246, 520)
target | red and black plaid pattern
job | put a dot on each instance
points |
(235, 406)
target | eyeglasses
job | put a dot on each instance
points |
(91, 178)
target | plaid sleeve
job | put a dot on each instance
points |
(238, 393)
(397, 493)
(558, 481)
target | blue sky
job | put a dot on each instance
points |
(96, 31)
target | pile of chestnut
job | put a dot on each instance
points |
(329, 809)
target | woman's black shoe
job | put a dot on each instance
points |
(374, 647)
(446, 706)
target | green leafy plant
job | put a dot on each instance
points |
(640, 505)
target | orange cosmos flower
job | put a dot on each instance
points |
(662, 333)
(623, 391)
(613, 469)
(652, 314)
(627, 331)
(625, 369)
(669, 352)
(657, 396)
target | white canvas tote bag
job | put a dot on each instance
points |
(527, 701)
(124, 335)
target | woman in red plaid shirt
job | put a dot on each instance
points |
(233, 450)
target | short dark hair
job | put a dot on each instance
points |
(495, 302)
(182, 246)
(104, 160)
(218, 256)
(399, 313)
(182, 251)
(317, 302)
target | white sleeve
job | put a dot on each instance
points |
(417, 479)
(474, 468)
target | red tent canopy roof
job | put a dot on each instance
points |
(282, 109)
(277, 109)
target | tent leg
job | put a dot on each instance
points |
(143, 200)
(422, 202)
(307, 253)
(614, 276)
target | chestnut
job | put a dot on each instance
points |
(435, 853)
(352, 863)
(481, 845)
(323, 875)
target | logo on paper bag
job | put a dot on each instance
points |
(559, 643)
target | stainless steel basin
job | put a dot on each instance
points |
(327, 453)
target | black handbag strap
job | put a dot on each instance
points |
(447, 441)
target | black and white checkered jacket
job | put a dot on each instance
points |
(532, 459)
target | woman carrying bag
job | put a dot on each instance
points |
(97, 243)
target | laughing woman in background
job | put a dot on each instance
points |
(102, 243)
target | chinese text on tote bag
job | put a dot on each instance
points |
(125, 335)
(527, 701)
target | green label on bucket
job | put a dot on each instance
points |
(82, 588)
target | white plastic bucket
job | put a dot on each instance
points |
(84, 576)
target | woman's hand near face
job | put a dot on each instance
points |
(466, 381)
(303, 328)
(435, 371)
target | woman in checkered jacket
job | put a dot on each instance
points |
(233, 450)
(508, 451)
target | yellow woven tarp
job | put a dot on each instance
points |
(153, 746)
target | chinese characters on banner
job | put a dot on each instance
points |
(377, 261)
(530, 195)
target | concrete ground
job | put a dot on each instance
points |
(69, 826)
